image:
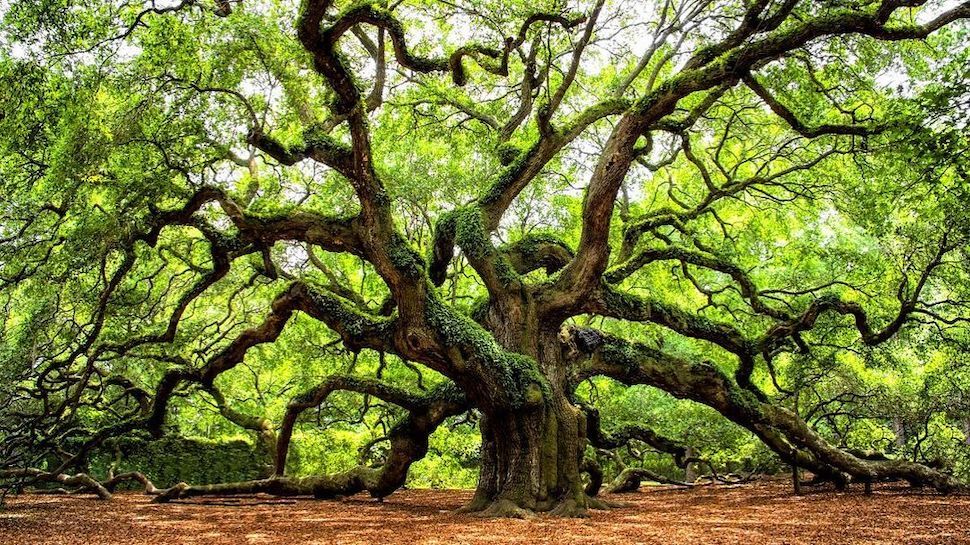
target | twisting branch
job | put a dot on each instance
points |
(319, 394)
(356, 329)
(82, 482)
(261, 426)
(909, 304)
(780, 429)
(797, 125)
(702, 259)
(537, 251)
(622, 437)
(491, 59)
(708, 68)
(322, 148)
(408, 438)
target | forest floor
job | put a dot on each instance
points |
(754, 513)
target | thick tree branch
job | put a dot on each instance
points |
(355, 328)
(408, 438)
(582, 275)
(783, 431)
(491, 59)
(414, 403)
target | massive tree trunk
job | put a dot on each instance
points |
(532, 454)
(531, 461)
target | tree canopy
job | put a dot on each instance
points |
(534, 225)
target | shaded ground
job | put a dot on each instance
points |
(764, 512)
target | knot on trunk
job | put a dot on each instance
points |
(580, 341)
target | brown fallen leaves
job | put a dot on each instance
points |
(755, 513)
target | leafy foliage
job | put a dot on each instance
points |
(784, 201)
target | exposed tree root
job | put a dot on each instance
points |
(570, 508)
(478, 503)
(566, 508)
(503, 508)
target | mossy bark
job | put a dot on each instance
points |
(531, 461)
(532, 454)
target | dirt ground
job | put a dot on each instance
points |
(756, 513)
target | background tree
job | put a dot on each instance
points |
(756, 206)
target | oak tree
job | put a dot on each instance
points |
(517, 197)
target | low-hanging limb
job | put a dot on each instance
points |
(622, 436)
(610, 301)
(780, 429)
(319, 394)
(607, 300)
(409, 443)
(908, 305)
(356, 329)
(81, 482)
(628, 479)
(255, 232)
(631, 478)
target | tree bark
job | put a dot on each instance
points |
(532, 455)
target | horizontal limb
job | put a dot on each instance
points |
(82, 482)
(780, 429)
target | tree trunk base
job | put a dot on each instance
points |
(570, 508)
(565, 508)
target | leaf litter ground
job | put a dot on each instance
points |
(754, 513)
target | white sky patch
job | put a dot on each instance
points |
(933, 10)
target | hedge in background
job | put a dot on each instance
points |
(173, 459)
